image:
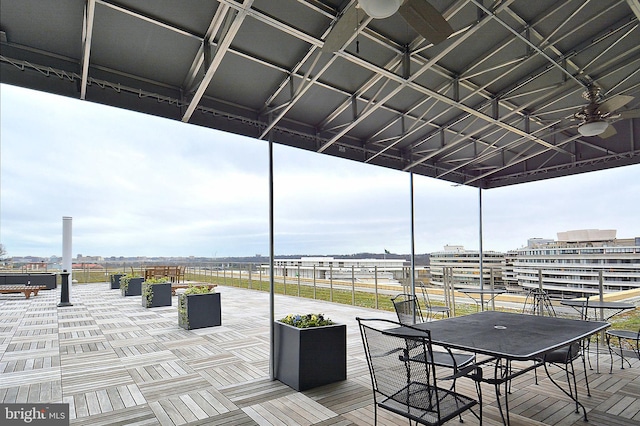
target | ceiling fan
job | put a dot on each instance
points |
(419, 14)
(596, 116)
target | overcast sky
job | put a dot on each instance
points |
(137, 185)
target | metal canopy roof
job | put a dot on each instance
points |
(491, 106)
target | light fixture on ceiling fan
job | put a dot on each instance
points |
(595, 117)
(420, 15)
(380, 9)
(593, 128)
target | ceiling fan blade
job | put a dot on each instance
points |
(426, 20)
(612, 104)
(344, 28)
(632, 113)
(611, 131)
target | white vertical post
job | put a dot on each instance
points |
(413, 233)
(481, 252)
(67, 236)
(272, 286)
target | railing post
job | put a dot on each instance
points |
(284, 278)
(601, 292)
(353, 286)
(314, 282)
(453, 288)
(493, 299)
(445, 292)
(331, 282)
(298, 272)
(447, 275)
(375, 281)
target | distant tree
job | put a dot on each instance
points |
(3, 253)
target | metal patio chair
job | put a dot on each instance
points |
(538, 302)
(629, 336)
(406, 386)
(407, 309)
(432, 310)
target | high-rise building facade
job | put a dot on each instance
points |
(577, 263)
(464, 267)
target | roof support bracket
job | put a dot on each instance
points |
(406, 63)
(292, 86)
(87, 34)
(229, 30)
(354, 108)
(456, 89)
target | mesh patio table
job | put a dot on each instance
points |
(602, 310)
(505, 337)
(479, 294)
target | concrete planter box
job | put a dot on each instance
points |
(134, 288)
(306, 358)
(199, 310)
(156, 295)
(115, 281)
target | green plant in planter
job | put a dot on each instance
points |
(115, 280)
(124, 282)
(147, 289)
(309, 350)
(306, 321)
(182, 300)
(130, 285)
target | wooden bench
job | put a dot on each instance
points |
(176, 286)
(174, 273)
(26, 289)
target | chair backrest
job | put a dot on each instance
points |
(407, 309)
(425, 294)
(391, 356)
(538, 302)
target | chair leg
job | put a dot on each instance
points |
(610, 354)
(479, 390)
(620, 352)
(375, 413)
(586, 377)
(622, 358)
(585, 349)
(573, 391)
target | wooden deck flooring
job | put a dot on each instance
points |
(115, 362)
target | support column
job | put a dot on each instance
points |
(67, 265)
(481, 252)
